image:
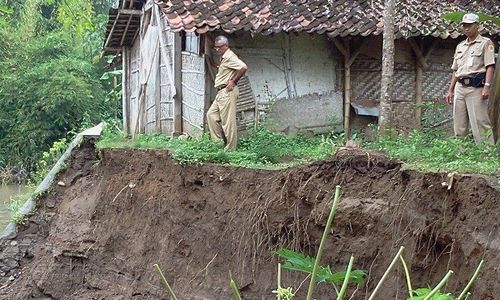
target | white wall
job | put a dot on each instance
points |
(293, 67)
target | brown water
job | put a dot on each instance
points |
(7, 191)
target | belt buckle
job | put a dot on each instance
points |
(467, 81)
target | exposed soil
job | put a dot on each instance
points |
(98, 236)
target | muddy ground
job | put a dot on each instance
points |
(98, 236)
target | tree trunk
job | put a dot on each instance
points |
(495, 105)
(387, 86)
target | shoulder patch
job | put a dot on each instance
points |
(491, 47)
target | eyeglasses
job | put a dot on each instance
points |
(219, 47)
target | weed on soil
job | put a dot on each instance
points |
(261, 148)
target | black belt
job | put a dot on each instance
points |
(220, 87)
(477, 80)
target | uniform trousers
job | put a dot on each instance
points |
(469, 107)
(221, 117)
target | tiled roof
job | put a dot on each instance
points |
(332, 17)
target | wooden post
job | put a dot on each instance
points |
(347, 91)
(126, 89)
(209, 78)
(421, 65)
(419, 94)
(178, 83)
(349, 57)
(494, 109)
(158, 92)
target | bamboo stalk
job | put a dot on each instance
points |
(407, 274)
(165, 282)
(312, 283)
(386, 273)
(471, 281)
(440, 285)
(346, 279)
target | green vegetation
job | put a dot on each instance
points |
(426, 293)
(295, 261)
(44, 165)
(433, 151)
(427, 151)
(165, 282)
(259, 148)
(457, 16)
(51, 85)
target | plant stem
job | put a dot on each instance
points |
(335, 288)
(407, 273)
(279, 279)
(439, 286)
(379, 284)
(165, 282)
(312, 283)
(346, 279)
(234, 287)
(471, 281)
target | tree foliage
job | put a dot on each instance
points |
(50, 84)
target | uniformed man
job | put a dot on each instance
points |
(473, 69)
(221, 115)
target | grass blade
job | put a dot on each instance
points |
(471, 281)
(165, 282)
(346, 280)
(439, 286)
(379, 284)
(407, 274)
(234, 287)
(312, 282)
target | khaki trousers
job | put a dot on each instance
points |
(221, 117)
(469, 107)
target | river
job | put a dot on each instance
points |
(7, 191)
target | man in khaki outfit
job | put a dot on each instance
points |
(221, 115)
(473, 69)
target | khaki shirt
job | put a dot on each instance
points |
(230, 64)
(473, 57)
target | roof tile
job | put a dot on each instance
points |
(338, 18)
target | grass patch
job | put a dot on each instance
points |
(421, 150)
(434, 152)
(259, 148)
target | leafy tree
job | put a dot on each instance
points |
(50, 84)
(45, 94)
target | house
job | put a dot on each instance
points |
(313, 65)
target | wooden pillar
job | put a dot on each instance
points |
(421, 65)
(349, 57)
(347, 91)
(178, 83)
(419, 94)
(494, 109)
(157, 95)
(126, 89)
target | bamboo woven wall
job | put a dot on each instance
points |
(366, 78)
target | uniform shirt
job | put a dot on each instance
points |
(473, 57)
(230, 64)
